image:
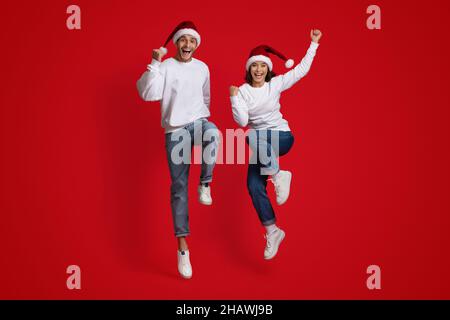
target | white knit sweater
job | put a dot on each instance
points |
(259, 107)
(182, 87)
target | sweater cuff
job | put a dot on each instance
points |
(314, 45)
(234, 101)
(154, 65)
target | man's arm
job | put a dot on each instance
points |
(150, 85)
(207, 90)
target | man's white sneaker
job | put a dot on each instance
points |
(282, 183)
(204, 195)
(273, 241)
(184, 264)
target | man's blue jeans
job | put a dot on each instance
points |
(266, 145)
(178, 149)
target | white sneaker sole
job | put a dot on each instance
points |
(276, 251)
(206, 203)
(185, 277)
(289, 190)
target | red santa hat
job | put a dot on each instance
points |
(184, 28)
(261, 53)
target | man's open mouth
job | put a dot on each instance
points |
(186, 52)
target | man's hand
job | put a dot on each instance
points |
(316, 35)
(234, 91)
(157, 54)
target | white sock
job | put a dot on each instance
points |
(271, 228)
(274, 176)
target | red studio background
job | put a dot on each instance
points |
(84, 177)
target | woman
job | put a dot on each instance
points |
(256, 104)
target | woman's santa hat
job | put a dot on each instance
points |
(184, 28)
(261, 53)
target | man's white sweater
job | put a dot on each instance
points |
(259, 107)
(182, 87)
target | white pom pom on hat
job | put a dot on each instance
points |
(289, 63)
(163, 50)
(261, 53)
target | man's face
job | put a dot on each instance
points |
(186, 46)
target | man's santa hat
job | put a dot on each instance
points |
(261, 53)
(184, 28)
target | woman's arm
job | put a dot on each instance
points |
(290, 78)
(239, 107)
(150, 85)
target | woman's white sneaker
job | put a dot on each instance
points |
(282, 183)
(184, 264)
(273, 241)
(204, 195)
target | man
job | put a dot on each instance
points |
(182, 86)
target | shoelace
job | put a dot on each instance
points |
(269, 242)
(204, 191)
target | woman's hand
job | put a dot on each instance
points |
(157, 54)
(316, 35)
(234, 91)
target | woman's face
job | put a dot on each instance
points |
(258, 70)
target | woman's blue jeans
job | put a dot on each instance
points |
(266, 145)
